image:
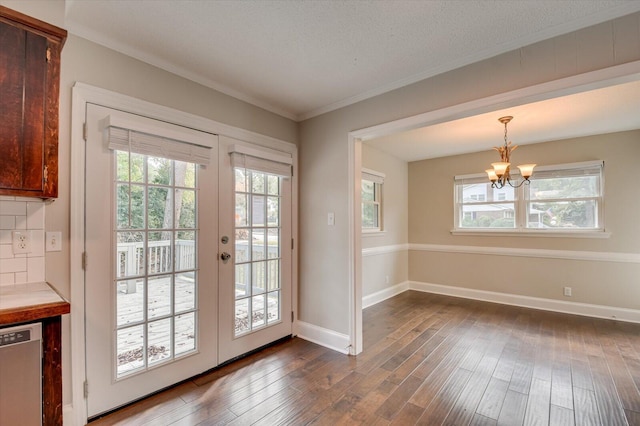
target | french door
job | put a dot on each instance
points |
(150, 286)
(187, 265)
(255, 249)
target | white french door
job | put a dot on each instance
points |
(255, 252)
(150, 285)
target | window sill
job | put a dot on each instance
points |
(531, 233)
(372, 233)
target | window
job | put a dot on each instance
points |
(564, 198)
(372, 183)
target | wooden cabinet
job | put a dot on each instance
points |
(29, 93)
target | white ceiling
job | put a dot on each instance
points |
(302, 58)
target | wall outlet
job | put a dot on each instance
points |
(53, 241)
(21, 241)
(386, 279)
(567, 291)
(331, 219)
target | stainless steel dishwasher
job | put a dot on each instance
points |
(21, 375)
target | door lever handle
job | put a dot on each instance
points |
(224, 256)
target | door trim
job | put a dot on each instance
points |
(83, 94)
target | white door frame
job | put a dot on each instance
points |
(81, 95)
(566, 86)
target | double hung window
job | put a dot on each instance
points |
(563, 198)
(372, 183)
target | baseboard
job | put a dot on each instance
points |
(384, 294)
(68, 418)
(584, 309)
(324, 337)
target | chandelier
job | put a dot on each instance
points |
(499, 175)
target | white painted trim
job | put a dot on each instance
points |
(324, 337)
(68, 417)
(531, 233)
(584, 309)
(83, 94)
(384, 294)
(355, 245)
(76, 249)
(374, 251)
(590, 256)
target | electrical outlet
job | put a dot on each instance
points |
(21, 242)
(567, 291)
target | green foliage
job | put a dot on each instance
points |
(161, 196)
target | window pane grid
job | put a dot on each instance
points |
(156, 252)
(568, 199)
(257, 250)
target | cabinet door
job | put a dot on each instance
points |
(23, 108)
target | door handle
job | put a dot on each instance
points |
(224, 256)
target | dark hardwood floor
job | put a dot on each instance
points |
(429, 360)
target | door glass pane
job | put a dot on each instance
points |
(257, 311)
(185, 292)
(159, 300)
(159, 336)
(242, 245)
(257, 249)
(185, 250)
(130, 301)
(242, 316)
(159, 252)
(130, 254)
(273, 306)
(273, 243)
(258, 277)
(129, 350)
(156, 260)
(243, 275)
(184, 333)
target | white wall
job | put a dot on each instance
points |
(385, 255)
(23, 214)
(324, 183)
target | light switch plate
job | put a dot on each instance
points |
(53, 241)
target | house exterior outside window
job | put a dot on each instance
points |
(371, 196)
(561, 198)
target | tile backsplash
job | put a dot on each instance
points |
(25, 214)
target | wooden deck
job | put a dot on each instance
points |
(429, 360)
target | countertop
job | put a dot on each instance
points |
(30, 302)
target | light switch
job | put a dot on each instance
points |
(53, 241)
(331, 219)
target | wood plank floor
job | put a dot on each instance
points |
(428, 359)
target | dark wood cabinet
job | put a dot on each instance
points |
(29, 95)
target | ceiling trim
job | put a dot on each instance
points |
(618, 74)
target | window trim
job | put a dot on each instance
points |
(377, 178)
(521, 203)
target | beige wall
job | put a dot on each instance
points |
(324, 261)
(595, 282)
(393, 266)
(324, 251)
(87, 62)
